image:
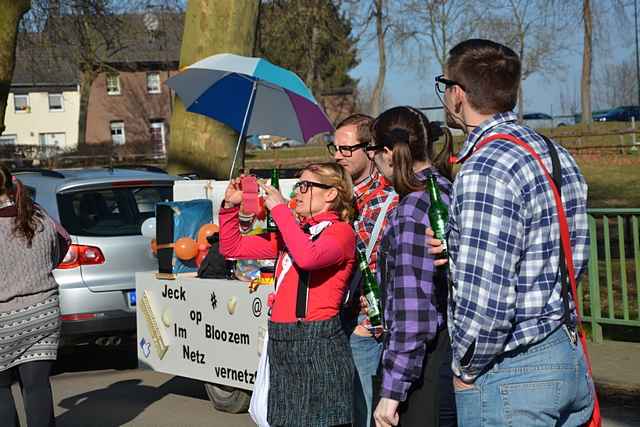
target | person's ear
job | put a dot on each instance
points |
(387, 155)
(331, 195)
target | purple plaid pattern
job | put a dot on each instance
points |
(407, 278)
(504, 245)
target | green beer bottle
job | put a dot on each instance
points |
(275, 182)
(438, 213)
(371, 292)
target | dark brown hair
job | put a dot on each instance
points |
(412, 137)
(28, 215)
(489, 73)
(362, 123)
(333, 174)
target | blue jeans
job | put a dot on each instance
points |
(546, 384)
(366, 353)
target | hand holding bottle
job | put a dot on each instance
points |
(272, 196)
(435, 247)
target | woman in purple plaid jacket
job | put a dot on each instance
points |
(416, 378)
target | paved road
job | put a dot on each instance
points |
(89, 392)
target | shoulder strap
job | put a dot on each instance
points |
(373, 238)
(557, 180)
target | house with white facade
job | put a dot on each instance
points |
(44, 100)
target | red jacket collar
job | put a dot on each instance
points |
(324, 216)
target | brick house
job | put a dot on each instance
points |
(131, 104)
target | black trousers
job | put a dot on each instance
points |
(431, 400)
(36, 394)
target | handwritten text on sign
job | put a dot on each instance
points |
(207, 329)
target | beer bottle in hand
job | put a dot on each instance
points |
(371, 292)
(275, 182)
(438, 213)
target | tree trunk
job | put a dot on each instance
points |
(198, 143)
(585, 84)
(11, 12)
(376, 96)
(520, 86)
(87, 78)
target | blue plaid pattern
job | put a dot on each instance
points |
(406, 273)
(504, 242)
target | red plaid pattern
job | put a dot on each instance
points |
(370, 194)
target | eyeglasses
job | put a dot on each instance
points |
(345, 150)
(442, 84)
(304, 186)
(371, 150)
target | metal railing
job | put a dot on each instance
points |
(613, 275)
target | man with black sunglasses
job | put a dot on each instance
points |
(374, 199)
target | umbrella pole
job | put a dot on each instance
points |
(245, 123)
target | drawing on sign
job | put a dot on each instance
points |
(232, 304)
(214, 301)
(158, 335)
(257, 307)
(146, 347)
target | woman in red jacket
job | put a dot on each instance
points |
(311, 370)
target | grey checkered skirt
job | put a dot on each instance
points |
(311, 374)
(30, 333)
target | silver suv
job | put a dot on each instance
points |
(102, 209)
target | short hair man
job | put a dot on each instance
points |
(374, 198)
(515, 356)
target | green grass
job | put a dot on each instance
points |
(613, 179)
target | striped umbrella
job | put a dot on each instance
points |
(252, 96)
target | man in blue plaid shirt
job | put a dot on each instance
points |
(515, 358)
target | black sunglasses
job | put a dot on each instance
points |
(304, 186)
(442, 84)
(345, 150)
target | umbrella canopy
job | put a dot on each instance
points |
(252, 96)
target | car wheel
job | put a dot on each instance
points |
(228, 399)
(285, 145)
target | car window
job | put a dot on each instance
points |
(146, 199)
(109, 212)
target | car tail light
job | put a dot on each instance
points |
(78, 255)
(75, 317)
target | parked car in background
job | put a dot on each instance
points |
(538, 120)
(619, 114)
(286, 143)
(102, 209)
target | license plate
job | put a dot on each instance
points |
(131, 296)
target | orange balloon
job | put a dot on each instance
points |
(154, 246)
(185, 248)
(205, 231)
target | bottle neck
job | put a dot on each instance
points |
(275, 175)
(432, 187)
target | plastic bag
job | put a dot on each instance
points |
(258, 408)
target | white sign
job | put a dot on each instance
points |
(207, 329)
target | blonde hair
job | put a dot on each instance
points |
(334, 175)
